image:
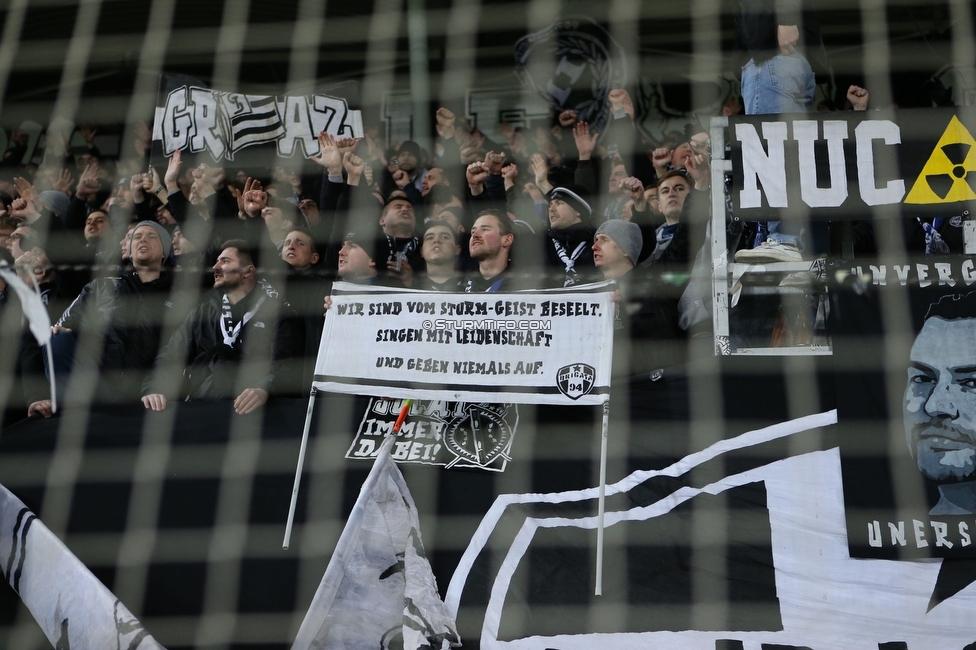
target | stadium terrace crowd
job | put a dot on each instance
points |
(204, 282)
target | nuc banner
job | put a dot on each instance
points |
(854, 165)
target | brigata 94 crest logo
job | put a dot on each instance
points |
(575, 380)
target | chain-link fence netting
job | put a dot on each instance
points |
(772, 199)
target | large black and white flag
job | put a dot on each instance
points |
(72, 607)
(378, 590)
(741, 545)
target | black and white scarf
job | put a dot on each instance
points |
(227, 327)
(569, 260)
(403, 253)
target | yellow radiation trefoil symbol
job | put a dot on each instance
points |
(950, 173)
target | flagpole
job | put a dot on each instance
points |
(298, 470)
(50, 366)
(50, 357)
(602, 501)
(152, 136)
(37, 317)
(384, 451)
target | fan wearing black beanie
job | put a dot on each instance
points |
(568, 257)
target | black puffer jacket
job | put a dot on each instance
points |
(131, 314)
(197, 362)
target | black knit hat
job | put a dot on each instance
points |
(411, 147)
(363, 239)
(570, 197)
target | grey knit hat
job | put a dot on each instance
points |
(626, 235)
(56, 202)
(164, 236)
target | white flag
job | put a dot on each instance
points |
(34, 309)
(379, 587)
(72, 607)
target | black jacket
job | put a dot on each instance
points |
(197, 363)
(569, 255)
(304, 292)
(756, 23)
(670, 253)
(646, 336)
(131, 313)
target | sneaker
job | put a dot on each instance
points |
(769, 252)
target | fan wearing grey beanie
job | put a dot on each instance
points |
(645, 318)
(616, 247)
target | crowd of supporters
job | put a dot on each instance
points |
(197, 281)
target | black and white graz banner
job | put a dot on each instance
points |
(221, 123)
(547, 347)
(840, 166)
(446, 434)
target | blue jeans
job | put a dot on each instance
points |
(782, 84)
(783, 232)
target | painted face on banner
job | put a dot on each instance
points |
(940, 400)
